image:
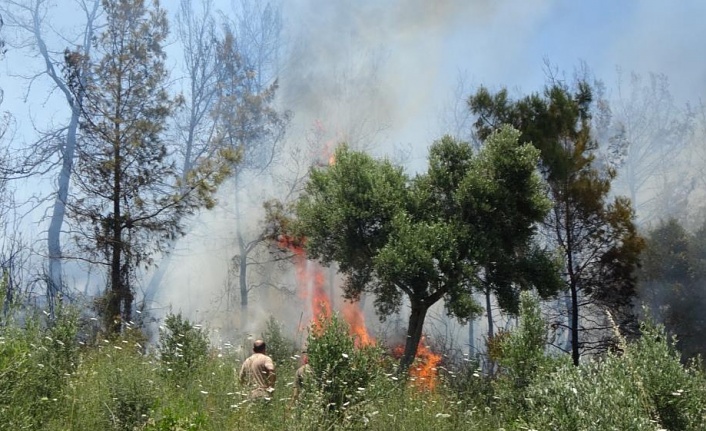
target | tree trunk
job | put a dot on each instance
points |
(55, 284)
(414, 334)
(115, 294)
(115, 297)
(574, 324)
(243, 272)
(471, 339)
(489, 313)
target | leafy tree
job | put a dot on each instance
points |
(423, 238)
(133, 200)
(596, 237)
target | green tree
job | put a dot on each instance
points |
(596, 237)
(133, 199)
(423, 238)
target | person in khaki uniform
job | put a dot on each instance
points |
(301, 377)
(258, 372)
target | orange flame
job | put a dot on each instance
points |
(423, 371)
(354, 316)
(311, 281)
(311, 287)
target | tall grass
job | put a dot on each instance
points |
(50, 382)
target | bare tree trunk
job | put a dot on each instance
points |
(574, 324)
(471, 338)
(489, 313)
(55, 284)
(414, 334)
(33, 23)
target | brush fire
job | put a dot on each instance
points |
(313, 290)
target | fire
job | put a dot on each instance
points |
(311, 280)
(423, 371)
(312, 288)
(354, 316)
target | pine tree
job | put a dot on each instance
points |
(133, 199)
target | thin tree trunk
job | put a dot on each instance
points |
(471, 339)
(489, 313)
(574, 325)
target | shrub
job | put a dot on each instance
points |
(341, 371)
(677, 393)
(522, 352)
(182, 347)
(36, 359)
(597, 395)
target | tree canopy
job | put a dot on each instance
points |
(595, 235)
(427, 237)
(133, 198)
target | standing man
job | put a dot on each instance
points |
(258, 371)
(301, 377)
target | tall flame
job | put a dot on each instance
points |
(312, 288)
(311, 281)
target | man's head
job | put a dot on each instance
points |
(259, 346)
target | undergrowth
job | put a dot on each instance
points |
(48, 381)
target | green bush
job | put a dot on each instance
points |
(341, 371)
(36, 360)
(597, 395)
(183, 347)
(677, 393)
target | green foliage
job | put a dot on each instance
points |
(594, 233)
(113, 385)
(341, 371)
(133, 202)
(171, 421)
(115, 388)
(183, 347)
(522, 353)
(596, 395)
(671, 283)
(36, 360)
(428, 237)
(644, 387)
(676, 393)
